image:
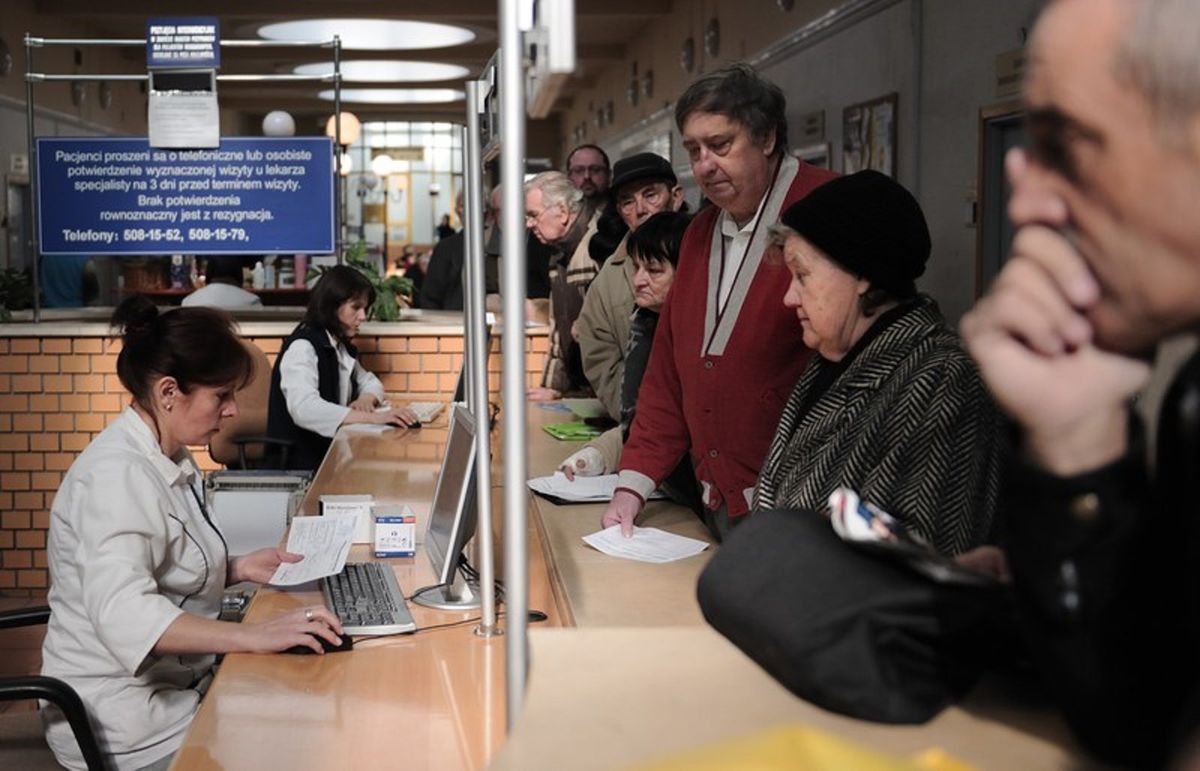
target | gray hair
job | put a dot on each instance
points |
(1158, 57)
(740, 93)
(557, 190)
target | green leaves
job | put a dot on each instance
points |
(388, 289)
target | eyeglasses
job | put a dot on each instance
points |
(531, 219)
(591, 171)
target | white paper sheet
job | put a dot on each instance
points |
(583, 489)
(325, 544)
(647, 544)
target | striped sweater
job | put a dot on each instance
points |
(908, 425)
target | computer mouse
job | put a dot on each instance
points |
(536, 615)
(346, 644)
(414, 424)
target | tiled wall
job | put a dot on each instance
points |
(57, 393)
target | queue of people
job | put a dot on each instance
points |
(771, 349)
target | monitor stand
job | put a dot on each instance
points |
(456, 595)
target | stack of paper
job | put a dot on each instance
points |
(598, 489)
(582, 490)
(647, 544)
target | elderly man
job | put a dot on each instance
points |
(727, 353)
(590, 171)
(1105, 264)
(644, 185)
(560, 216)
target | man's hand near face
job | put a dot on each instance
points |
(1032, 340)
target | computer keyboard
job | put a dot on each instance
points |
(367, 599)
(427, 411)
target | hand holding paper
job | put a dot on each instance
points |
(325, 544)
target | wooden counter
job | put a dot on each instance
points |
(594, 589)
(640, 677)
(433, 700)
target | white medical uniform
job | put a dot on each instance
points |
(129, 551)
(298, 380)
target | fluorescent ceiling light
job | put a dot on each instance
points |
(384, 71)
(396, 95)
(370, 34)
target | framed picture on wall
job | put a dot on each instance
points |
(816, 154)
(869, 136)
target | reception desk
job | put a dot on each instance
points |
(624, 671)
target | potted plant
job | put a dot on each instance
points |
(390, 291)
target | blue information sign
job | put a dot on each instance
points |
(247, 196)
(183, 42)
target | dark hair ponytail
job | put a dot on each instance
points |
(196, 346)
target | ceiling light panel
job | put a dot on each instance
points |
(370, 34)
(384, 71)
(396, 95)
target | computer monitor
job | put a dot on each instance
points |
(452, 518)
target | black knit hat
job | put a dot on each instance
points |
(870, 225)
(642, 167)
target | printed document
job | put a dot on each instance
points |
(597, 489)
(647, 544)
(325, 544)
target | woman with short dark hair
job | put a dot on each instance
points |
(891, 405)
(317, 384)
(137, 566)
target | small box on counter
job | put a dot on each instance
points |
(395, 531)
(359, 506)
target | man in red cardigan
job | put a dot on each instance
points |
(727, 352)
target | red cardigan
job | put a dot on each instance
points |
(722, 408)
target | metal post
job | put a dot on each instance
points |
(476, 369)
(338, 183)
(516, 460)
(33, 199)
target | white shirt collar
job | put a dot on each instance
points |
(730, 229)
(174, 471)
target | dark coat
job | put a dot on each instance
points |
(908, 425)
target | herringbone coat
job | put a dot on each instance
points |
(908, 425)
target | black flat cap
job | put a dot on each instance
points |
(643, 167)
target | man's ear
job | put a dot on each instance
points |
(769, 144)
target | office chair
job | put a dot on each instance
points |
(22, 738)
(242, 441)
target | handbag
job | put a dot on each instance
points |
(847, 629)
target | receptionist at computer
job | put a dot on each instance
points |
(137, 566)
(318, 384)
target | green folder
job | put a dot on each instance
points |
(576, 431)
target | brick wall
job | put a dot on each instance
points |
(57, 393)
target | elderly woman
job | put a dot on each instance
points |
(891, 405)
(561, 217)
(653, 250)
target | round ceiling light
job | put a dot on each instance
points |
(370, 34)
(383, 71)
(396, 95)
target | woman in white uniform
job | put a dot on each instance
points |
(137, 566)
(317, 384)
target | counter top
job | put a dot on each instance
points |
(253, 322)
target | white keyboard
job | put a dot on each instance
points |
(427, 411)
